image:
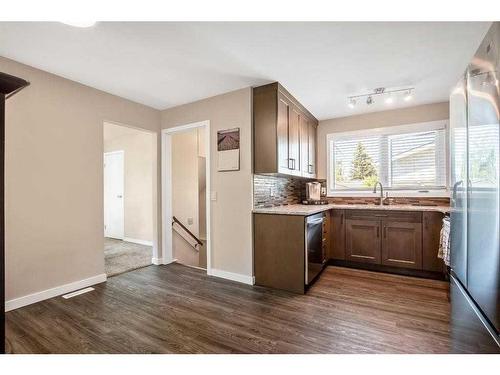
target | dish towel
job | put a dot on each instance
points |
(444, 242)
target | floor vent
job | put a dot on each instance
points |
(77, 293)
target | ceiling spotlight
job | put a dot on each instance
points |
(407, 96)
(369, 100)
(352, 103)
(80, 23)
(389, 100)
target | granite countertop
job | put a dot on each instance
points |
(305, 210)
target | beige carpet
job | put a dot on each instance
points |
(121, 256)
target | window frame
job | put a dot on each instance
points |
(388, 130)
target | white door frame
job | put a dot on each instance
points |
(118, 152)
(166, 190)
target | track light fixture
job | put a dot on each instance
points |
(391, 96)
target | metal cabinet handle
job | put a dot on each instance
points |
(341, 219)
(293, 163)
(378, 232)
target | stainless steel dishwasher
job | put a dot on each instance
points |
(314, 253)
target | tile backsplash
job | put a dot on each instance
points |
(277, 190)
(272, 191)
(394, 200)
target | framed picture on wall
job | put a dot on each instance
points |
(228, 150)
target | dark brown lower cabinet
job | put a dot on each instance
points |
(391, 239)
(431, 229)
(337, 237)
(402, 244)
(363, 240)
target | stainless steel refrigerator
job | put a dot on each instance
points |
(475, 201)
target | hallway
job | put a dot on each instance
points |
(121, 256)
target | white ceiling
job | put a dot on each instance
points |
(166, 64)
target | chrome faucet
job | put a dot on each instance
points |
(381, 192)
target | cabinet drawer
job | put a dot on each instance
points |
(404, 216)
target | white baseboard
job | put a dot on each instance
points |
(157, 261)
(140, 242)
(245, 279)
(160, 261)
(53, 292)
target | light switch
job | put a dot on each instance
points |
(213, 196)
(190, 221)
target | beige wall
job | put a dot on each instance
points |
(54, 178)
(139, 154)
(411, 115)
(231, 218)
(185, 196)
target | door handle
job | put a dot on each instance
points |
(119, 196)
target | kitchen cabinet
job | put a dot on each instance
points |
(389, 238)
(337, 235)
(282, 126)
(279, 260)
(326, 233)
(308, 133)
(431, 230)
(311, 152)
(402, 244)
(284, 133)
(363, 240)
(294, 141)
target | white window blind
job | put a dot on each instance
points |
(399, 157)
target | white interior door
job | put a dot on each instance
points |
(113, 194)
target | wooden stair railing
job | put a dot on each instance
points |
(198, 241)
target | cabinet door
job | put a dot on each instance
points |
(282, 134)
(402, 244)
(304, 145)
(311, 168)
(432, 223)
(363, 241)
(293, 141)
(337, 236)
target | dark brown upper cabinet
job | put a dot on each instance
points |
(284, 133)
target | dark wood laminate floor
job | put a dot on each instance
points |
(176, 309)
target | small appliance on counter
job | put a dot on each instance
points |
(313, 194)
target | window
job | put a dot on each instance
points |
(409, 157)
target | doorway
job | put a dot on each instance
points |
(186, 195)
(114, 181)
(129, 170)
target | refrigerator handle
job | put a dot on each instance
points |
(455, 186)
